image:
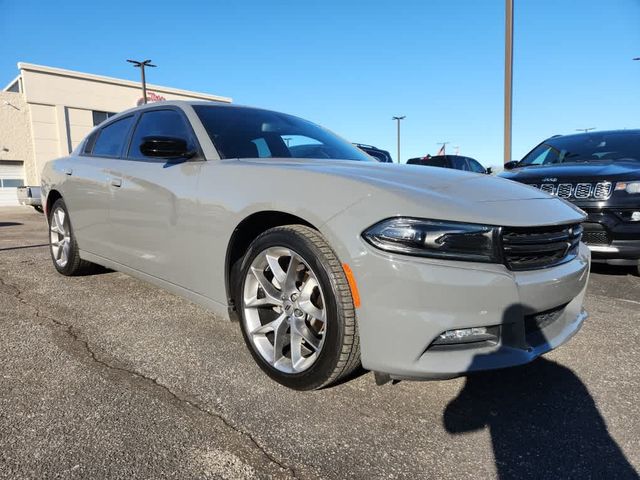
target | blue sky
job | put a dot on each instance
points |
(351, 65)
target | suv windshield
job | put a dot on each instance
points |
(590, 147)
(241, 132)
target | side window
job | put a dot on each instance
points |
(475, 166)
(111, 138)
(168, 123)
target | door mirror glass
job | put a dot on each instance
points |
(166, 147)
(511, 165)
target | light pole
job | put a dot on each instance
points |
(397, 119)
(141, 65)
(508, 78)
(585, 130)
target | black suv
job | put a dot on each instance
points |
(456, 162)
(600, 173)
(380, 155)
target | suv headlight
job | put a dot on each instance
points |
(629, 187)
(435, 238)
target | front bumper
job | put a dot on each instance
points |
(408, 302)
(610, 238)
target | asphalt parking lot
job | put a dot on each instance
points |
(104, 376)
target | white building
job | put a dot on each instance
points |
(45, 112)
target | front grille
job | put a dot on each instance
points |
(596, 238)
(540, 247)
(595, 234)
(579, 191)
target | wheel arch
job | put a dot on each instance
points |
(244, 233)
(52, 196)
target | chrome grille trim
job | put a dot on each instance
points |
(564, 190)
(602, 190)
(580, 191)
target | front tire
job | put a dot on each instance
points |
(296, 311)
(62, 242)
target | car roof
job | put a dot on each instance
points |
(634, 131)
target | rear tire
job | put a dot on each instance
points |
(298, 322)
(62, 242)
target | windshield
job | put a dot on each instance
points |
(240, 132)
(591, 147)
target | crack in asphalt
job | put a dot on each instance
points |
(75, 336)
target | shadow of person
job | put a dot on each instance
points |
(543, 423)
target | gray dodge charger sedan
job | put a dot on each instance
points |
(327, 259)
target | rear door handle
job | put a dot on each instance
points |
(116, 182)
(68, 171)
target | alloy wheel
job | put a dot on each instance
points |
(284, 310)
(60, 237)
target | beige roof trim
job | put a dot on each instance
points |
(11, 83)
(116, 81)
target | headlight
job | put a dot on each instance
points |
(630, 187)
(435, 238)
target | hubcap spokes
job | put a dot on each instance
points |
(59, 236)
(284, 310)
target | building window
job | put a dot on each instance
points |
(99, 117)
(11, 183)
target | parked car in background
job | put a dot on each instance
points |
(328, 259)
(456, 162)
(29, 195)
(600, 173)
(380, 155)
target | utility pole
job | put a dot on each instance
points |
(141, 65)
(508, 78)
(585, 130)
(397, 119)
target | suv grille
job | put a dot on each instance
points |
(580, 191)
(527, 248)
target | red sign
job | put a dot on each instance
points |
(151, 97)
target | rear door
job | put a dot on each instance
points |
(86, 189)
(153, 209)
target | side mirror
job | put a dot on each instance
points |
(166, 147)
(511, 165)
(489, 171)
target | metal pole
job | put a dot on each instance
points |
(141, 65)
(397, 119)
(144, 85)
(508, 79)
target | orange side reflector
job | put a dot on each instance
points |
(352, 285)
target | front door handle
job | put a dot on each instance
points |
(68, 171)
(116, 182)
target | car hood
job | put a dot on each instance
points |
(592, 171)
(373, 191)
(414, 179)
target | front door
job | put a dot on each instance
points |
(153, 204)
